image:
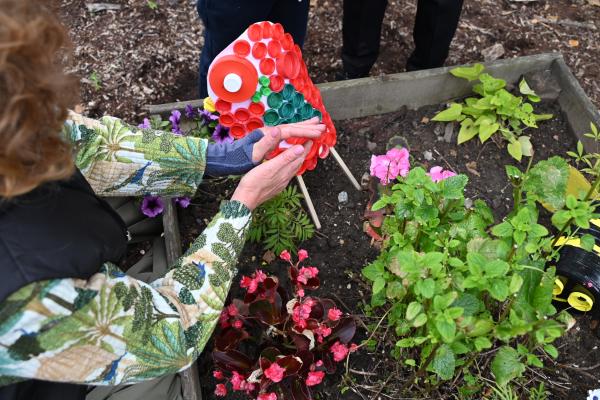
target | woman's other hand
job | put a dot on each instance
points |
(270, 178)
(273, 135)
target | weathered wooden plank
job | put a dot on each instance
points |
(578, 108)
(190, 378)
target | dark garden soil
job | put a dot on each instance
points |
(341, 249)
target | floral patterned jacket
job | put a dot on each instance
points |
(111, 328)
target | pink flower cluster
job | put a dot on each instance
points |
(389, 166)
(230, 316)
(238, 383)
(251, 284)
(438, 174)
(301, 313)
(340, 350)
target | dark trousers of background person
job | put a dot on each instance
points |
(435, 25)
(225, 20)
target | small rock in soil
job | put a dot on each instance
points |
(371, 145)
(449, 132)
(364, 181)
(493, 53)
(343, 197)
(427, 155)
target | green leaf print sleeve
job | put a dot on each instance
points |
(113, 329)
(118, 159)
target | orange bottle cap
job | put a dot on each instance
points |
(274, 48)
(227, 73)
(237, 131)
(241, 115)
(241, 48)
(259, 50)
(267, 66)
(255, 32)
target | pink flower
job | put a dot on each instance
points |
(319, 363)
(238, 324)
(353, 347)
(300, 292)
(248, 283)
(302, 255)
(232, 310)
(260, 276)
(237, 381)
(285, 255)
(221, 390)
(322, 331)
(218, 374)
(302, 312)
(339, 350)
(334, 314)
(267, 396)
(275, 372)
(307, 273)
(389, 166)
(439, 174)
(314, 378)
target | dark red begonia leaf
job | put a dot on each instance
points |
(232, 360)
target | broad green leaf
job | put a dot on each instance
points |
(515, 283)
(443, 363)
(514, 149)
(373, 271)
(447, 329)
(413, 310)
(491, 84)
(486, 129)
(450, 114)
(551, 350)
(469, 73)
(496, 268)
(503, 230)
(482, 343)
(498, 289)
(427, 287)
(587, 242)
(378, 285)
(420, 320)
(453, 187)
(547, 182)
(526, 147)
(506, 365)
(527, 91)
(467, 131)
(470, 304)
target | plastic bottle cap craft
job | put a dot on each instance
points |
(261, 79)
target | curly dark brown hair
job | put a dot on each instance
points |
(35, 94)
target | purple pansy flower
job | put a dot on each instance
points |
(175, 118)
(208, 117)
(183, 202)
(190, 112)
(222, 135)
(152, 206)
(145, 125)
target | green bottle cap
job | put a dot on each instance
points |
(275, 100)
(271, 118)
(317, 113)
(288, 91)
(256, 98)
(287, 111)
(297, 118)
(298, 100)
(264, 81)
(266, 91)
(307, 111)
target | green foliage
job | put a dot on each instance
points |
(152, 4)
(458, 285)
(495, 111)
(95, 81)
(281, 223)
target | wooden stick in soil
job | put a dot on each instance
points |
(345, 168)
(309, 203)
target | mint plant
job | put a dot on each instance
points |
(275, 344)
(456, 285)
(281, 223)
(496, 112)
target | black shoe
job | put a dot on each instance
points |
(344, 76)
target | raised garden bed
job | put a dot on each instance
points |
(370, 113)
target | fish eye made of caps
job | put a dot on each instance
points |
(261, 79)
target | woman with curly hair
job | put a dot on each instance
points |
(69, 317)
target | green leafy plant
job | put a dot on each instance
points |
(457, 285)
(95, 81)
(496, 111)
(281, 223)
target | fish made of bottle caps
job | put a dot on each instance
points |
(261, 80)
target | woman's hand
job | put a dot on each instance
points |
(270, 178)
(273, 135)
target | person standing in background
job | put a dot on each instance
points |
(435, 24)
(225, 20)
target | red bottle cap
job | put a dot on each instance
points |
(288, 42)
(277, 31)
(222, 106)
(288, 65)
(256, 109)
(259, 50)
(274, 48)
(267, 66)
(226, 120)
(240, 68)
(254, 123)
(266, 29)
(277, 83)
(241, 115)
(255, 32)
(237, 131)
(241, 48)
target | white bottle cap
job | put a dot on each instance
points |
(232, 83)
